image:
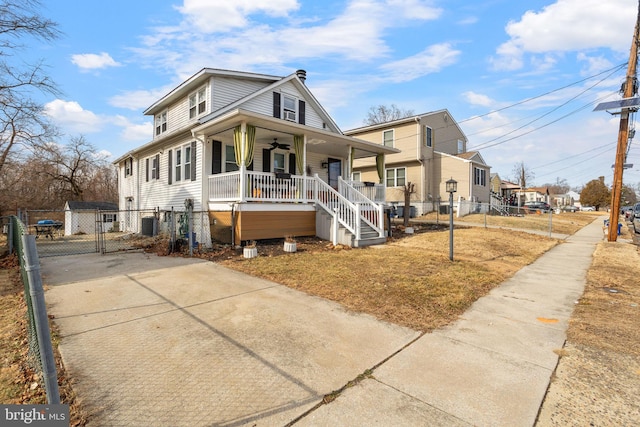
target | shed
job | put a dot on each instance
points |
(82, 217)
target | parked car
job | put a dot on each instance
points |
(635, 218)
(570, 208)
(588, 208)
(627, 212)
(537, 206)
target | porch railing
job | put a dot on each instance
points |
(371, 190)
(348, 206)
(260, 186)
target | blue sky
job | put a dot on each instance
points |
(475, 58)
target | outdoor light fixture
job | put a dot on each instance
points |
(325, 164)
(451, 186)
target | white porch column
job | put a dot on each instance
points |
(304, 168)
(243, 168)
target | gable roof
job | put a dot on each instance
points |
(469, 156)
(77, 205)
(405, 120)
(199, 79)
(294, 78)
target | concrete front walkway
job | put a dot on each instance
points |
(196, 344)
(162, 341)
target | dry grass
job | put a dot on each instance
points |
(607, 316)
(410, 282)
(563, 223)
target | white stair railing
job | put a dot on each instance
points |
(338, 206)
(370, 212)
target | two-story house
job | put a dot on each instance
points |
(432, 150)
(257, 156)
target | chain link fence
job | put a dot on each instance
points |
(40, 354)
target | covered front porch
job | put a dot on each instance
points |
(264, 164)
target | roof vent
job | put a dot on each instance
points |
(302, 75)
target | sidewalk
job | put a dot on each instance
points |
(490, 368)
(197, 344)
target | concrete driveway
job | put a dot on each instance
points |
(169, 341)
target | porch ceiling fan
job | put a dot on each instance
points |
(275, 144)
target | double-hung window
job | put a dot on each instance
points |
(396, 177)
(230, 164)
(187, 162)
(278, 162)
(161, 123)
(289, 108)
(198, 103)
(178, 165)
(428, 137)
(387, 138)
(479, 177)
(155, 172)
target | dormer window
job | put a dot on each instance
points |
(289, 108)
(161, 123)
(198, 103)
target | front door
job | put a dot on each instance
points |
(335, 170)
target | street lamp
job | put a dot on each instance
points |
(451, 186)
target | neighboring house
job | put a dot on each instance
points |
(535, 194)
(432, 150)
(257, 156)
(496, 184)
(89, 217)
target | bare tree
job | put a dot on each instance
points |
(383, 114)
(21, 121)
(72, 166)
(407, 190)
(523, 175)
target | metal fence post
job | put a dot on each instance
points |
(47, 361)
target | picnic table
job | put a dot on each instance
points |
(47, 227)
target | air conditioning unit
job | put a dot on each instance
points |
(290, 115)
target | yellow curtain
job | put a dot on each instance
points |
(250, 143)
(298, 147)
(380, 167)
(237, 143)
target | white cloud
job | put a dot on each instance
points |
(92, 61)
(431, 60)
(474, 98)
(219, 16)
(138, 99)
(141, 132)
(71, 116)
(594, 64)
(567, 25)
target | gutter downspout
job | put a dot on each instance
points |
(423, 173)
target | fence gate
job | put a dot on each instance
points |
(73, 233)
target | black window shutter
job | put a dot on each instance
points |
(276, 105)
(250, 167)
(193, 160)
(147, 169)
(170, 172)
(266, 160)
(216, 161)
(301, 112)
(157, 166)
(292, 163)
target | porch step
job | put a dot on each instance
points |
(369, 237)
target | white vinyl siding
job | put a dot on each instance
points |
(229, 90)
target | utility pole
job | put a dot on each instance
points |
(630, 87)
